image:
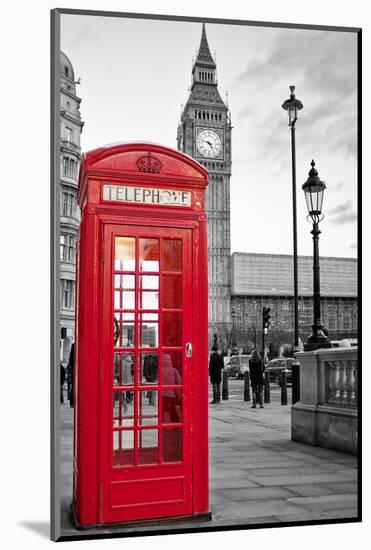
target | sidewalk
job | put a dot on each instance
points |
(257, 474)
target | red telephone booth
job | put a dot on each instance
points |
(141, 431)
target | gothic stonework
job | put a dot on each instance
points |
(204, 132)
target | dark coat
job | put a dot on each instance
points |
(256, 373)
(63, 375)
(215, 368)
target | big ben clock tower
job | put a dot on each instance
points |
(204, 132)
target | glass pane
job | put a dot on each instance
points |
(172, 255)
(149, 317)
(123, 409)
(123, 369)
(148, 408)
(116, 330)
(172, 406)
(125, 253)
(128, 316)
(149, 254)
(124, 300)
(148, 282)
(127, 336)
(149, 335)
(148, 447)
(172, 329)
(149, 368)
(172, 445)
(149, 300)
(125, 281)
(123, 448)
(172, 371)
(117, 300)
(172, 291)
(128, 299)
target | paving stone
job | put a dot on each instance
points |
(296, 480)
(255, 508)
(252, 493)
(314, 516)
(325, 502)
(304, 470)
(309, 490)
(347, 487)
(232, 483)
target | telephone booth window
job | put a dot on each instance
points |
(147, 351)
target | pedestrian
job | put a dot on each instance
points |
(150, 373)
(171, 397)
(257, 379)
(70, 375)
(215, 373)
(62, 380)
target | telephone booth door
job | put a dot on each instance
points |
(146, 454)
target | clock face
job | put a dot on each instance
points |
(209, 143)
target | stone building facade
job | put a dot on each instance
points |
(204, 133)
(70, 154)
(266, 280)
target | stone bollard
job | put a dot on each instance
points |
(246, 386)
(295, 381)
(225, 386)
(284, 387)
(267, 388)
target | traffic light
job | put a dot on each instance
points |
(266, 317)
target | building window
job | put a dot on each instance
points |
(67, 294)
(66, 70)
(62, 246)
(68, 104)
(68, 204)
(69, 167)
(67, 247)
(68, 132)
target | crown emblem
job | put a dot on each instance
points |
(149, 164)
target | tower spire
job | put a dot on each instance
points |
(204, 56)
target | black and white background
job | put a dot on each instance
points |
(25, 274)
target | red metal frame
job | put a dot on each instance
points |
(104, 493)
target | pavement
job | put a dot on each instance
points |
(257, 474)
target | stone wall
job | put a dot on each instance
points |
(327, 412)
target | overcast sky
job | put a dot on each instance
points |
(135, 74)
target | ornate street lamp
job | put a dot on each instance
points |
(313, 189)
(292, 106)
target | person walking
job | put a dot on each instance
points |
(71, 375)
(62, 381)
(257, 378)
(215, 372)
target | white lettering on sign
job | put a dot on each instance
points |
(146, 195)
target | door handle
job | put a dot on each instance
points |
(188, 350)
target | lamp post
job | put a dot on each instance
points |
(234, 343)
(292, 106)
(313, 190)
